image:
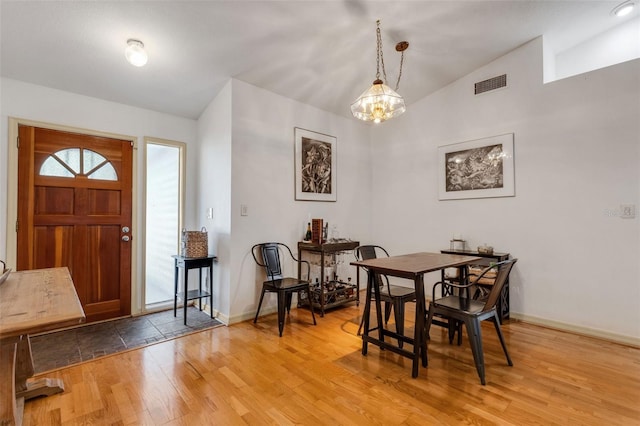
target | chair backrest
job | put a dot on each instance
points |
(504, 269)
(366, 252)
(271, 257)
(270, 254)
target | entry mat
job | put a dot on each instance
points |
(64, 348)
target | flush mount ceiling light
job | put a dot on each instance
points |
(135, 53)
(623, 9)
(379, 102)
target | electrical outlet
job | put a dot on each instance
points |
(244, 211)
(627, 211)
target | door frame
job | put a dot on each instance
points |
(182, 200)
(12, 195)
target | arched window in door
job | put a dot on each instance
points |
(72, 162)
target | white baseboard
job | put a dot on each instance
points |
(266, 310)
(227, 320)
(572, 328)
(216, 314)
(220, 317)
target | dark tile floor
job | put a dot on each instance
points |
(62, 348)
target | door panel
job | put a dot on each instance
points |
(74, 201)
(53, 246)
(51, 200)
(104, 253)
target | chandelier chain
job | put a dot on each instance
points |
(380, 56)
(400, 73)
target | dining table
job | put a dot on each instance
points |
(31, 302)
(413, 267)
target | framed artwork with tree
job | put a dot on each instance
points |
(315, 164)
(481, 168)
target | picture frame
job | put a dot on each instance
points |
(481, 168)
(315, 166)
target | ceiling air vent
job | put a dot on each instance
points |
(490, 84)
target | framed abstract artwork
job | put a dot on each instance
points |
(481, 168)
(315, 165)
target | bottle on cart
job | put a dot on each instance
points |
(307, 236)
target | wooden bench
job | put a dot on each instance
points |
(34, 301)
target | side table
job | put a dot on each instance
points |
(187, 263)
(329, 292)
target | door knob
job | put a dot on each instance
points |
(125, 238)
(125, 229)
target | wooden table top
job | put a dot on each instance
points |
(38, 300)
(411, 265)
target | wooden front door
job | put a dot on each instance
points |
(74, 210)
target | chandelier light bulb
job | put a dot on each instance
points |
(135, 53)
(623, 9)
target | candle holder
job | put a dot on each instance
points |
(457, 244)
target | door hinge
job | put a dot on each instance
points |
(18, 142)
(17, 226)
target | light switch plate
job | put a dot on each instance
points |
(627, 211)
(244, 210)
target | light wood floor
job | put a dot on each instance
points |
(246, 374)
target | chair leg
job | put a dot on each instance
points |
(451, 328)
(387, 312)
(496, 323)
(398, 313)
(288, 297)
(259, 305)
(281, 309)
(475, 341)
(427, 326)
(311, 304)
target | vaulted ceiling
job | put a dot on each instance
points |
(321, 53)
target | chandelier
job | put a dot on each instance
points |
(380, 102)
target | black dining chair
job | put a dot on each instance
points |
(472, 312)
(276, 282)
(393, 296)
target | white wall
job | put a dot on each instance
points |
(577, 155)
(214, 191)
(619, 44)
(37, 103)
(263, 179)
